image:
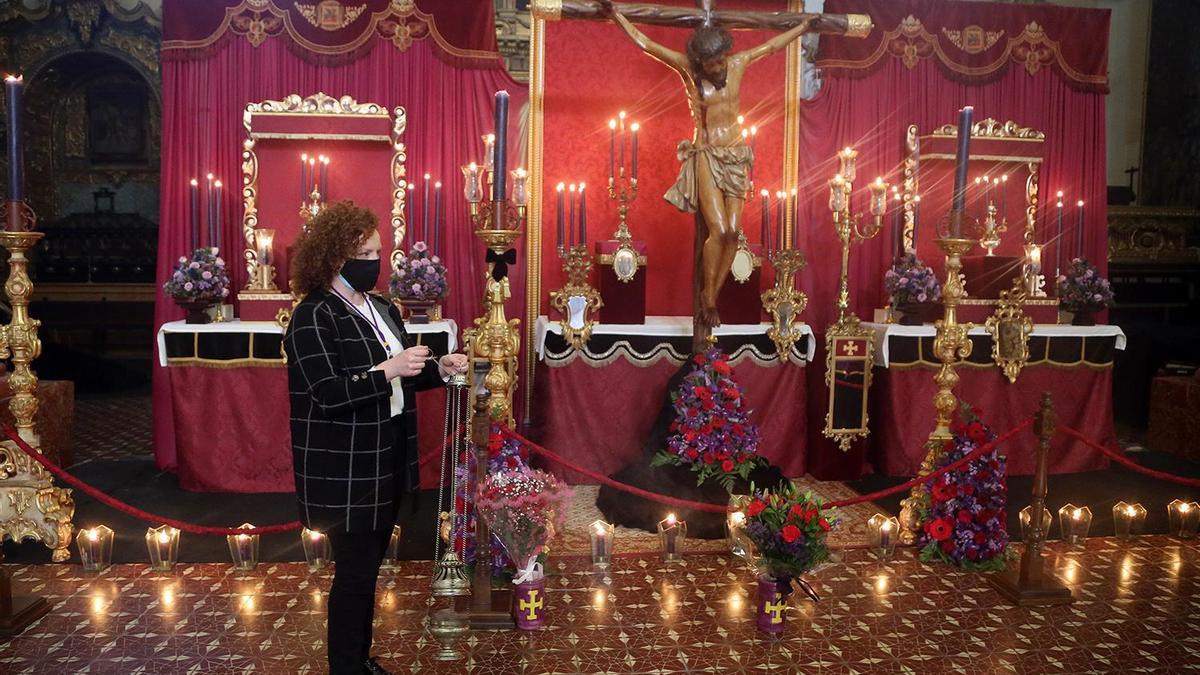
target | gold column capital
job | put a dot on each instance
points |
(547, 10)
(858, 25)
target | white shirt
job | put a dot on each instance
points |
(395, 346)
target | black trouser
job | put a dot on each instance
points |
(357, 557)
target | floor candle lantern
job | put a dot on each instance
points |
(601, 535)
(1074, 522)
(883, 531)
(1026, 517)
(162, 543)
(1128, 519)
(95, 548)
(1184, 518)
(243, 548)
(671, 534)
(316, 548)
(391, 557)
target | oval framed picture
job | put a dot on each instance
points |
(743, 265)
(625, 263)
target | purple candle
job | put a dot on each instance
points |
(795, 220)
(437, 217)
(500, 167)
(1079, 229)
(209, 209)
(621, 124)
(583, 203)
(780, 241)
(325, 178)
(571, 214)
(633, 152)
(194, 211)
(612, 150)
(960, 168)
(303, 177)
(13, 87)
(425, 211)
(561, 209)
(766, 220)
(217, 223)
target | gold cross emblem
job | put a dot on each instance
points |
(850, 348)
(775, 609)
(532, 605)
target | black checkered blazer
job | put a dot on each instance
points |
(349, 468)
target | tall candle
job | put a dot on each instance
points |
(571, 214)
(621, 140)
(978, 198)
(583, 205)
(1004, 180)
(425, 211)
(325, 178)
(437, 218)
(217, 220)
(1058, 237)
(410, 222)
(501, 163)
(897, 225)
(194, 211)
(753, 138)
(766, 221)
(559, 189)
(960, 167)
(779, 225)
(795, 219)
(209, 209)
(13, 87)
(612, 149)
(303, 177)
(312, 176)
(1079, 230)
(633, 151)
(916, 218)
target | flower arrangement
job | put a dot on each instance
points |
(966, 521)
(202, 277)
(789, 530)
(525, 508)
(504, 453)
(419, 276)
(712, 433)
(1082, 288)
(910, 281)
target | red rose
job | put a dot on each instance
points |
(692, 454)
(983, 516)
(972, 554)
(692, 412)
(727, 465)
(710, 457)
(703, 393)
(722, 367)
(964, 517)
(699, 359)
(512, 462)
(756, 507)
(823, 524)
(948, 545)
(790, 533)
(967, 489)
(980, 538)
(939, 529)
(708, 404)
(738, 429)
(719, 422)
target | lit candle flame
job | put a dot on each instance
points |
(671, 518)
(560, 187)
(886, 526)
(94, 534)
(1185, 507)
(612, 124)
(163, 537)
(1077, 514)
(737, 517)
(1079, 203)
(1060, 194)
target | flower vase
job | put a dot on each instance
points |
(772, 603)
(529, 603)
(197, 310)
(419, 312)
(918, 313)
(1084, 316)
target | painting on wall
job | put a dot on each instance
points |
(117, 125)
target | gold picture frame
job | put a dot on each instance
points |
(783, 303)
(577, 301)
(849, 360)
(1010, 328)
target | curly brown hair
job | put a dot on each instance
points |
(332, 238)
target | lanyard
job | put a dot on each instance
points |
(370, 318)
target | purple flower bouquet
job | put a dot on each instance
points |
(419, 276)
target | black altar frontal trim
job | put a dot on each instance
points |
(232, 349)
(646, 350)
(911, 351)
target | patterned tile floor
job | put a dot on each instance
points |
(113, 426)
(1137, 610)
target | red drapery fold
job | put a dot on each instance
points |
(449, 109)
(974, 41)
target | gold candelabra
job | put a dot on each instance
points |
(991, 229)
(31, 507)
(496, 338)
(312, 206)
(783, 302)
(951, 344)
(625, 260)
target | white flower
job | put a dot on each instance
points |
(214, 250)
(182, 260)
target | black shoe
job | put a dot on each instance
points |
(372, 667)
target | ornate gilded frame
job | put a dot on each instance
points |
(848, 343)
(322, 104)
(1010, 329)
(784, 303)
(578, 265)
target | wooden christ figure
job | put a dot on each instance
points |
(714, 179)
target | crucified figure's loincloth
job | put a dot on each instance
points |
(730, 167)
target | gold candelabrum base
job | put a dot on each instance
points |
(951, 345)
(578, 300)
(783, 302)
(990, 230)
(624, 191)
(496, 338)
(263, 280)
(31, 507)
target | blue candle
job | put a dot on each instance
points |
(766, 221)
(13, 87)
(501, 162)
(561, 209)
(194, 211)
(571, 215)
(425, 211)
(210, 209)
(437, 218)
(583, 210)
(961, 159)
(217, 219)
(303, 177)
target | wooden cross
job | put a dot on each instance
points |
(851, 25)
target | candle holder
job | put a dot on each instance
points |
(1128, 519)
(311, 207)
(783, 302)
(391, 557)
(263, 278)
(601, 535)
(243, 549)
(578, 300)
(95, 548)
(884, 530)
(162, 543)
(625, 260)
(1184, 518)
(1031, 272)
(990, 229)
(1026, 518)
(316, 549)
(671, 534)
(1074, 522)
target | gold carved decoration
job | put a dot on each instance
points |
(849, 360)
(319, 103)
(993, 129)
(1140, 234)
(34, 508)
(858, 25)
(142, 49)
(256, 27)
(784, 303)
(912, 185)
(973, 39)
(1010, 329)
(83, 17)
(546, 10)
(577, 301)
(330, 15)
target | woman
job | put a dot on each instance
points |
(353, 374)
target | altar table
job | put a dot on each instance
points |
(230, 397)
(1073, 363)
(596, 407)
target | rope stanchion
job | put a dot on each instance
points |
(1129, 463)
(146, 516)
(720, 508)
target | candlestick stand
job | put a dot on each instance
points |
(577, 301)
(625, 260)
(991, 229)
(783, 302)
(31, 507)
(951, 344)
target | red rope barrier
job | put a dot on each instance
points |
(1129, 463)
(134, 511)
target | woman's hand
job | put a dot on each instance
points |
(408, 363)
(452, 364)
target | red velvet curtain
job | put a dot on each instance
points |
(871, 113)
(449, 109)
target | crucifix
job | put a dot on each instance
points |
(714, 179)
